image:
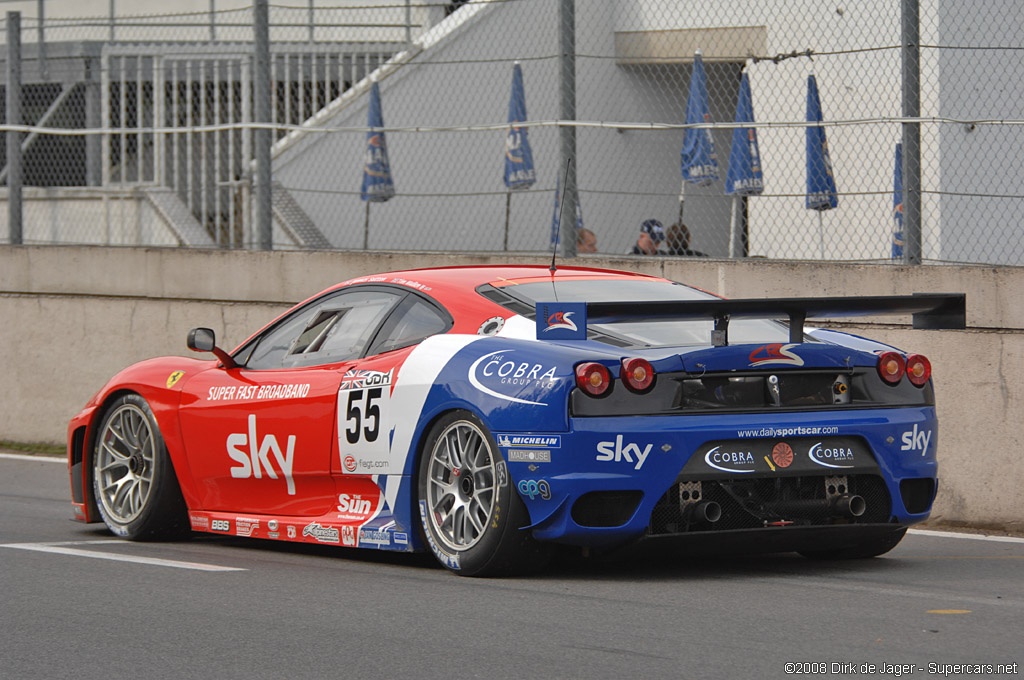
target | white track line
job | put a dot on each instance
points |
(78, 552)
(973, 537)
(43, 459)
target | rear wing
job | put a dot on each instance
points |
(932, 311)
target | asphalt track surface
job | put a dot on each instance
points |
(74, 603)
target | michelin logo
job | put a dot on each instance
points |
(529, 441)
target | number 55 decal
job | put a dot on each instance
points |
(364, 401)
(353, 415)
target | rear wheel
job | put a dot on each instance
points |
(865, 549)
(133, 480)
(470, 515)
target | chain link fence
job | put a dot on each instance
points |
(138, 127)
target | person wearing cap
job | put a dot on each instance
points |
(651, 234)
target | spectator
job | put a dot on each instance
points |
(651, 234)
(586, 241)
(678, 241)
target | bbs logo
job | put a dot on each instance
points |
(220, 525)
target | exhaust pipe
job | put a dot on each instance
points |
(707, 511)
(850, 505)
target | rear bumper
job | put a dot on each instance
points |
(609, 480)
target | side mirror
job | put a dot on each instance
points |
(202, 340)
(205, 340)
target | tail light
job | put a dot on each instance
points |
(919, 369)
(891, 367)
(593, 378)
(638, 374)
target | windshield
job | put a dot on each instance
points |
(522, 299)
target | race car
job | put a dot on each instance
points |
(490, 413)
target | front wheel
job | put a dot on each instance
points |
(136, 491)
(470, 515)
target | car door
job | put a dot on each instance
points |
(260, 437)
(366, 419)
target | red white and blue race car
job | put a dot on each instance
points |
(488, 413)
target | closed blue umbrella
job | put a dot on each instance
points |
(744, 177)
(699, 162)
(519, 171)
(377, 183)
(897, 205)
(821, 183)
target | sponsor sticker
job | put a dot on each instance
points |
(916, 440)
(255, 460)
(522, 441)
(374, 537)
(561, 320)
(730, 461)
(532, 488)
(348, 536)
(317, 531)
(831, 456)
(246, 526)
(623, 451)
(772, 456)
(775, 353)
(220, 525)
(528, 456)
(364, 420)
(256, 392)
(505, 374)
(199, 522)
(357, 507)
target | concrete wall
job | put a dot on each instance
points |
(72, 316)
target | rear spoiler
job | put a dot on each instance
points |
(933, 311)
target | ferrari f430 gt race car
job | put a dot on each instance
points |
(488, 413)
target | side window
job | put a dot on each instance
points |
(413, 321)
(334, 329)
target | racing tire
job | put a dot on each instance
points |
(863, 550)
(470, 515)
(134, 484)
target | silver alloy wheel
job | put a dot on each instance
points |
(124, 463)
(461, 485)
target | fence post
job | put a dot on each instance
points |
(262, 138)
(567, 134)
(14, 178)
(911, 52)
(41, 38)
